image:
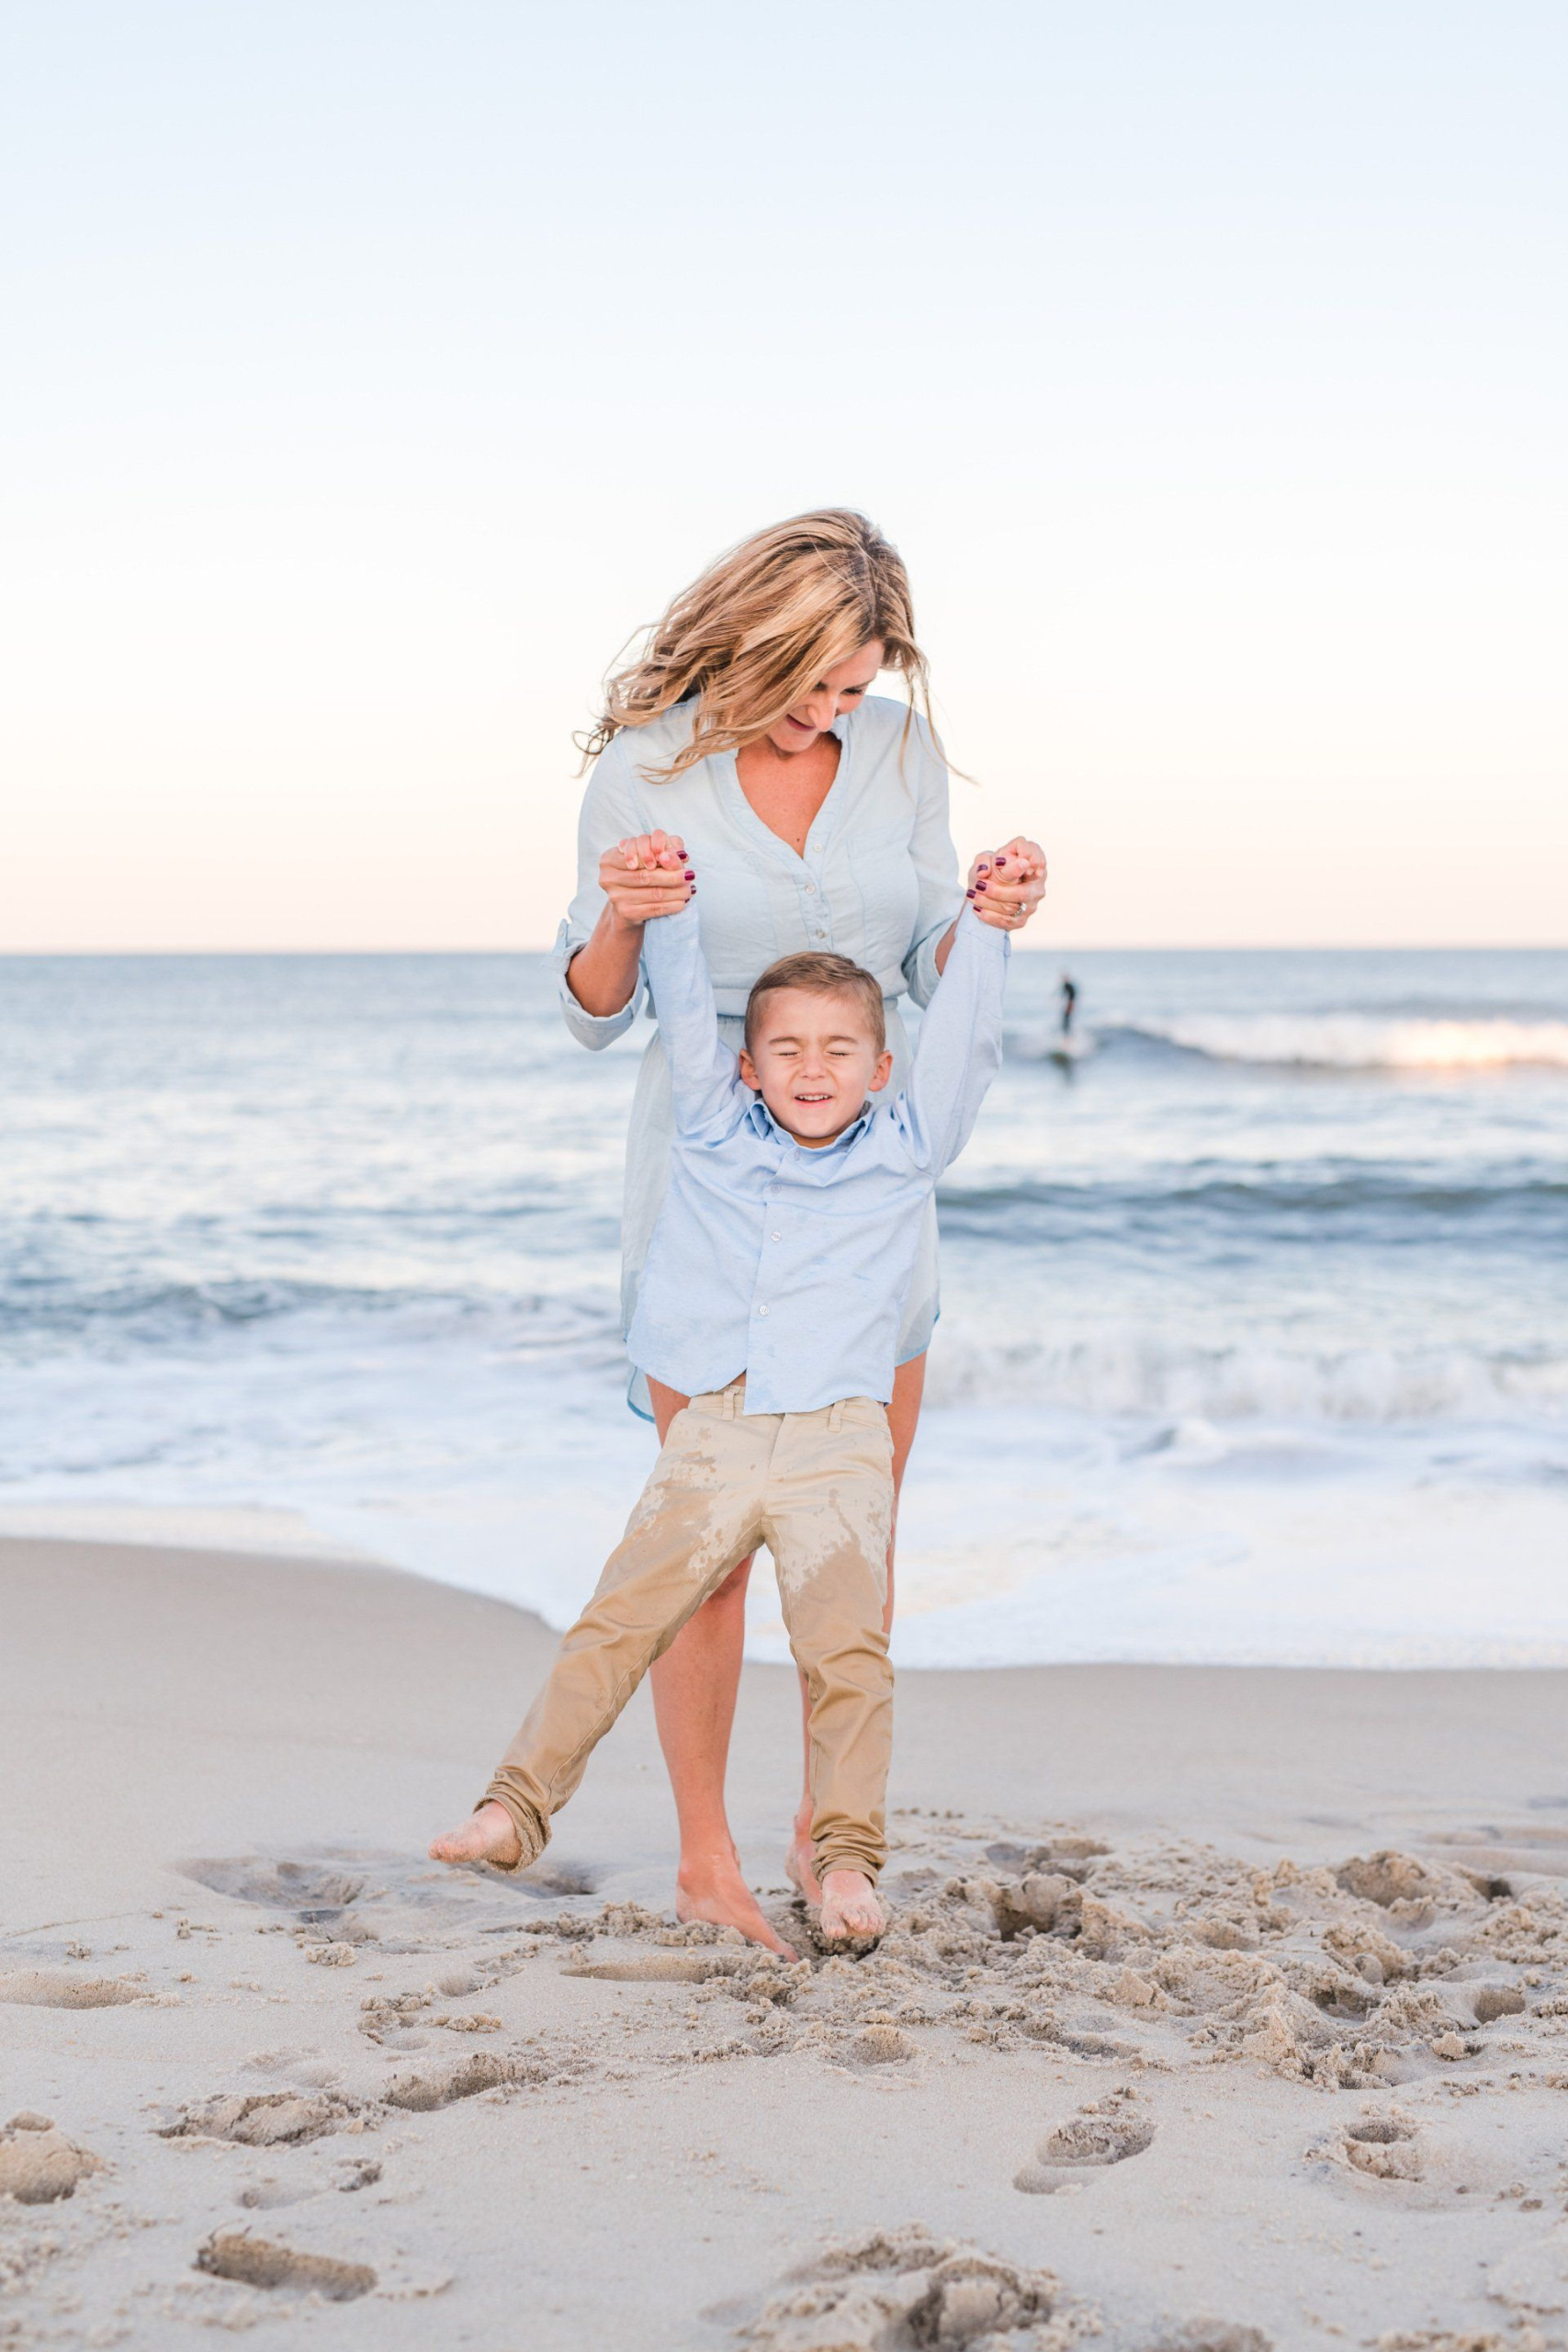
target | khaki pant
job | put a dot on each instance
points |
(817, 1489)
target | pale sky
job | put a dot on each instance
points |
(374, 369)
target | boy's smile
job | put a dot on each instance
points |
(813, 1059)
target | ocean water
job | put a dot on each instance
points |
(1255, 1330)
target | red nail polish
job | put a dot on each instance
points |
(979, 886)
(1001, 861)
(690, 875)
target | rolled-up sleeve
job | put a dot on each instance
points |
(609, 813)
(936, 869)
(960, 1047)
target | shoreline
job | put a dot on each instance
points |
(258, 1747)
(997, 1630)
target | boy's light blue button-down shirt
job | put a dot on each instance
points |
(786, 1263)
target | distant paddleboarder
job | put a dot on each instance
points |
(1070, 1001)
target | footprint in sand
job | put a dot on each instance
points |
(898, 2289)
(1396, 2158)
(1030, 1905)
(394, 1900)
(659, 1967)
(1106, 2133)
(422, 2092)
(316, 1890)
(879, 2046)
(261, 2119)
(302, 2067)
(1082, 2045)
(38, 2163)
(459, 1981)
(257, 2262)
(558, 1877)
(310, 2072)
(1411, 1891)
(56, 1988)
(1383, 2147)
(1072, 1857)
(1493, 2001)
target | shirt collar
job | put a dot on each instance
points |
(765, 1124)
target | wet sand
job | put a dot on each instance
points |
(1221, 2007)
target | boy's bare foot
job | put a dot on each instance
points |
(488, 1836)
(850, 1907)
(714, 1889)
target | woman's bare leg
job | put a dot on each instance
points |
(903, 1420)
(695, 1685)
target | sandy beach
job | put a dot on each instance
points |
(1221, 2007)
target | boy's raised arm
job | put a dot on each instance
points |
(704, 1075)
(959, 1046)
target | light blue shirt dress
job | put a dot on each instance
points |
(877, 881)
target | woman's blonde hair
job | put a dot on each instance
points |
(759, 629)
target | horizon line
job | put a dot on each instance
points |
(1057, 947)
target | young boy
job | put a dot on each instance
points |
(771, 1298)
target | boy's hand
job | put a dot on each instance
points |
(1007, 885)
(646, 874)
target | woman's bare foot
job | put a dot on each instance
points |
(712, 1888)
(800, 1862)
(850, 1907)
(488, 1836)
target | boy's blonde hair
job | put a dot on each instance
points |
(760, 627)
(821, 976)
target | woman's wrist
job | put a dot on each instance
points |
(603, 974)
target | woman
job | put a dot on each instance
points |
(745, 739)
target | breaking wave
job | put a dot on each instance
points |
(1132, 1373)
(1353, 1041)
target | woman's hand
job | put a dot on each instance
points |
(1007, 885)
(646, 874)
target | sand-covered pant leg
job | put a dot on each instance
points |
(697, 1519)
(827, 1520)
